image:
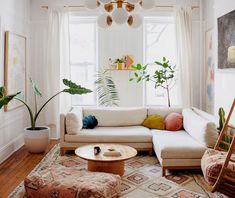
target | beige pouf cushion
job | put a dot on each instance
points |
(61, 182)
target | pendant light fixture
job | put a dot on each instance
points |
(120, 11)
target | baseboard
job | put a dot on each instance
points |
(11, 147)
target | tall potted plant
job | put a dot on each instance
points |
(37, 137)
(162, 77)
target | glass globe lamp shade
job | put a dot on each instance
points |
(120, 16)
(104, 1)
(91, 4)
(133, 1)
(135, 21)
(104, 21)
(148, 4)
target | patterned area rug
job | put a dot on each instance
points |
(142, 178)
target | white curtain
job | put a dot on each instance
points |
(183, 23)
(57, 66)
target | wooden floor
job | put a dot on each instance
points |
(17, 167)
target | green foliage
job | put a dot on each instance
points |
(106, 89)
(35, 88)
(74, 89)
(4, 100)
(163, 76)
(222, 119)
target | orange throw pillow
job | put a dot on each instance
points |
(174, 122)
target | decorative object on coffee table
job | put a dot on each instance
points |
(108, 164)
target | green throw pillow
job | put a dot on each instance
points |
(154, 122)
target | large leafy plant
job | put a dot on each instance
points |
(162, 77)
(71, 88)
(106, 89)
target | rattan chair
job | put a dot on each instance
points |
(225, 180)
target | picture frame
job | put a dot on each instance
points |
(15, 68)
(210, 70)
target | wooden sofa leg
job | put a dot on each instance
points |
(163, 171)
(61, 151)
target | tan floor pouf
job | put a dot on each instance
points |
(67, 182)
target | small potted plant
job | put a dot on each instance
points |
(120, 63)
(37, 137)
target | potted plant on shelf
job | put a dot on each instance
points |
(120, 63)
(162, 77)
(37, 137)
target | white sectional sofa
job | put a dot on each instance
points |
(175, 150)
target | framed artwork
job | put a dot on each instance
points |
(226, 41)
(15, 67)
(210, 71)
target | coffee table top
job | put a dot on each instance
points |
(87, 152)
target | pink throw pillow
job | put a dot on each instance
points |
(174, 122)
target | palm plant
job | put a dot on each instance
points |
(72, 88)
(106, 89)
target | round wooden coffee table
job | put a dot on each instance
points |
(101, 163)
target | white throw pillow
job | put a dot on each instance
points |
(200, 128)
(73, 123)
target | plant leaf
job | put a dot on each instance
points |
(106, 89)
(35, 88)
(4, 100)
(74, 89)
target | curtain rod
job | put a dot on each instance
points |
(82, 6)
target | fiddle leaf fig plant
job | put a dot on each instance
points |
(71, 88)
(164, 75)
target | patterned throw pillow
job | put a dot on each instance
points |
(154, 122)
(89, 122)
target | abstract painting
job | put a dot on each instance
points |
(15, 67)
(210, 71)
(226, 40)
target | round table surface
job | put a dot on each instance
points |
(87, 152)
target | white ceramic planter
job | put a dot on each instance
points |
(36, 141)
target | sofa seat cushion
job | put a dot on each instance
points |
(70, 182)
(112, 134)
(212, 163)
(176, 145)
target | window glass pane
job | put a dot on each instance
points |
(83, 57)
(82, 45)
(160, 42)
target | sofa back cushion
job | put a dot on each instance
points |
(200, 128)
(108, 117)
(163, 111)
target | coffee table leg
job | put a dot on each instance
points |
(107, 167)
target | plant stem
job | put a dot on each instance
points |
(35, 104)
(168, 96)
(36, 116)
(30, 113)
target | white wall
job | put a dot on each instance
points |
(14, 16)
(114, 42)
(224, 79)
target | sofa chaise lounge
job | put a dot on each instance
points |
(175, 149)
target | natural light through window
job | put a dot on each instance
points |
(159, 42)
(83, 56)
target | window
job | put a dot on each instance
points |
(83, 56)
(159, 42)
